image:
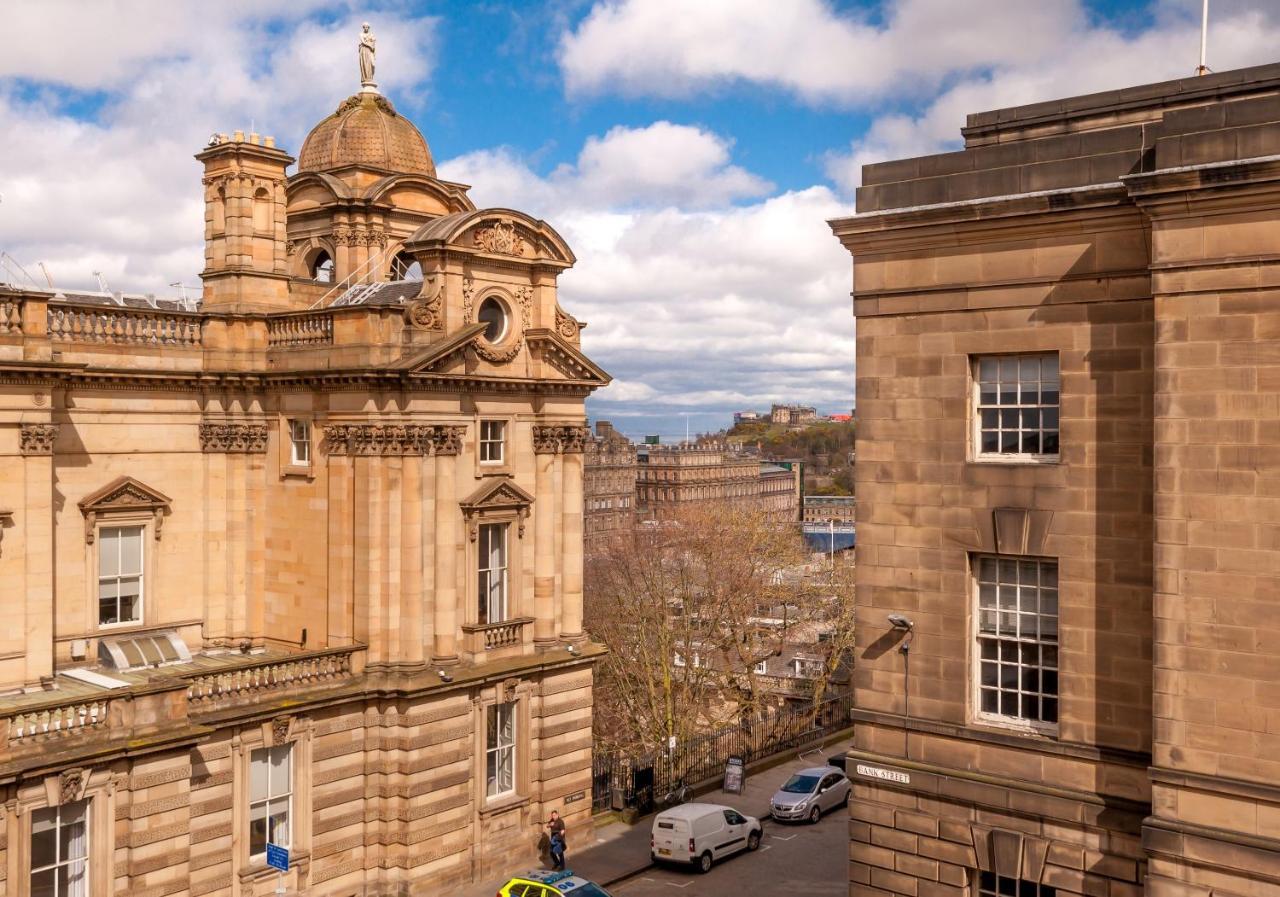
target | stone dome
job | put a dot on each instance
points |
(367, 131)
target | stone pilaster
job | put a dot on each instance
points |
(36, 443)
(448, 546)
(544, 539)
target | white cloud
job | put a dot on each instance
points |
(661, 164)
(121, 193)
(672, 48)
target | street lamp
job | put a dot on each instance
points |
(905, 626)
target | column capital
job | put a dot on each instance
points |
(559, 438)
(37, 439)
(393, 439)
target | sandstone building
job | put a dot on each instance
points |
(1068, 488)
(609, 487)
(303, 566)
(669, 476)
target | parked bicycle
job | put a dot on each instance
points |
(680, 794)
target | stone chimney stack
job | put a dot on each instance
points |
(245, 247)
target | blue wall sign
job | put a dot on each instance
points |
(278, 857)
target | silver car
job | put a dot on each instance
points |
(809, 793)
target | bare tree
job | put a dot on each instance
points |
(687, 606)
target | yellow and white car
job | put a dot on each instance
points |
(551, 884)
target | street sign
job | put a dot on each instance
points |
(278, 857)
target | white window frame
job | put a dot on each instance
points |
(101, 539)
(762, 667)
(265, 755)
(1040, 408)
(299, 442)
(496, 749)
(494, 605)
(83, 861)
(677, 659)
(493, 442)
(1012, 646)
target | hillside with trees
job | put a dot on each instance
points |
(825, 447)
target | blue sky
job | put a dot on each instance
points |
(690, 152)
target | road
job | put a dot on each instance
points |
(812, 860)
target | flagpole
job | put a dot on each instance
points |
(1203, 68)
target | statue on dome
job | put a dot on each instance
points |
(368, 47)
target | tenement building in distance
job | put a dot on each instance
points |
(301, 565)
(1068, 563)
(609, 488)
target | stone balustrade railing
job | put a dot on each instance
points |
(10, 316)
(31, 725)
(488, 636)
(300, 330)
(217, 688)
(123, 326)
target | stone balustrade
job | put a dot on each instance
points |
(314, 329)
(10, 316)
(214, 689)
(489, 636)
(123, 326)
(35, 724)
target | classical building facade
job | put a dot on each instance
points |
(669, 476)
(829, 508)
(302, 566)
(1069, 483)
(609, 487)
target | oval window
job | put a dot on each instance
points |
(493, 314)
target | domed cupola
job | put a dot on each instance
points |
(366, 132)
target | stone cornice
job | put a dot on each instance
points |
(393, 439)
(220, 436)
(559, 439)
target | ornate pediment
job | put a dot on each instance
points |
(496, 496)
(124, 495)
(566, 358)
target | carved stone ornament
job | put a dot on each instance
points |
(6, 520)
(225, 437)
(468, 300)
(500, 238)
(71, 784)
(343, 235)
(123, 495)
(424, 313)
(280, 730)
(566, 325)
(559, 438)
(393, 439)
(508, 689)
(37, 439)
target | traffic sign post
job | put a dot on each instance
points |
(278, 858)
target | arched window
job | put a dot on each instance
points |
(405, 267)
(322, 268)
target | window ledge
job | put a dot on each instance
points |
(298, 470)
(1018, 460)
(503, 804)
(1047, 731)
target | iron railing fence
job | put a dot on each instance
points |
(620, 779)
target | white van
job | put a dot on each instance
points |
(701, 834)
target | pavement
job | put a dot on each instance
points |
(790, 854)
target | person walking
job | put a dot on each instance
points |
(555, 828)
